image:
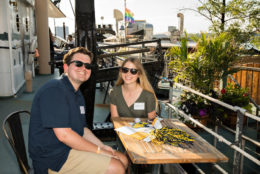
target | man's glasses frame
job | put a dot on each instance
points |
(132, 70)
(78, 63)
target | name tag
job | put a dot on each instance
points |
(82, 109)
(139, 106)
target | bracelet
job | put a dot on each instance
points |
(98, 150)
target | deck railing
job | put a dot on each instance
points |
(239, 143)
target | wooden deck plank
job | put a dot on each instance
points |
(141, 152)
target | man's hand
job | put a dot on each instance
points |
(108, 148)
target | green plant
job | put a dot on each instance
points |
(236, 96)
(211, 62)
(180, 58)
(193, 104)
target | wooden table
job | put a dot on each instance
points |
(141, 152)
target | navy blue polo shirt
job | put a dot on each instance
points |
(55, 105)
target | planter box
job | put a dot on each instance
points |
(231, 120)
(202, 119)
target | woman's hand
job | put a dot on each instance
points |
(151, 115)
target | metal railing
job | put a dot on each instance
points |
(250, 98)
(238, 145)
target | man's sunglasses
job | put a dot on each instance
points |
(78, 63)
(126, 70)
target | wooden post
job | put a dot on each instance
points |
(41, 13)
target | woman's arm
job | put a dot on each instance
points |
(151, 106)
(113, 110)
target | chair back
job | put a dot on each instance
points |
(13, 131)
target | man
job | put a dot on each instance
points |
(59, 142)
(71, 43)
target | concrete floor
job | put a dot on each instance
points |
(23, 101)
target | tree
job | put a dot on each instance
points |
(241, 18)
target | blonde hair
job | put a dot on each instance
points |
(142, 80)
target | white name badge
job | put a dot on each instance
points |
(82, 109)
(139, 106)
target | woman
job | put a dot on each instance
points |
(133, 96)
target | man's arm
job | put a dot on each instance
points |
(75, 141)
(88, 135)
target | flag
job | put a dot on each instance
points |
(129, 16)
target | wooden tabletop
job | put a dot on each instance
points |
(141, 152)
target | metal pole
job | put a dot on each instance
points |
(64, 31)
(238, 141)
(220, 138)
(143, 53)
(54, 27)
(170, 99)
(125, 23)
(218, 102)
(123, 53)
(198, 169)
(130, 44)
(242, 156)
(72, 8)
(220, 169)
(215, 139)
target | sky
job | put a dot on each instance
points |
(159, 13)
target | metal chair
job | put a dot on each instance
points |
(13, 131)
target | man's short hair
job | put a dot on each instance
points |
(68, 57)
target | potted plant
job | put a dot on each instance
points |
(210, 62)
(195, 106)
(236, 96)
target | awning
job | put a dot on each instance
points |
(53, 11)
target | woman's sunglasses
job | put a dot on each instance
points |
(126, 70)
(78, 63)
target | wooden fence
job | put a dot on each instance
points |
(249, 79)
